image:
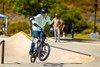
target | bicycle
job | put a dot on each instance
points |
(42, 49)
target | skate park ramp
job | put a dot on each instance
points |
(17, 45)
(17, 50)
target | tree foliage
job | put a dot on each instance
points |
(31, 7)
(68, 14)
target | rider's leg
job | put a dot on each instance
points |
(42, 35)
(32, 48)
(36, 34)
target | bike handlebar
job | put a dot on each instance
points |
(40, 29)
(38, 26)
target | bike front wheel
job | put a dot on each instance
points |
(44, 52)
(33, 58)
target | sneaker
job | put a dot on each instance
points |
(55, 41)
(33, 55)
(30, 53)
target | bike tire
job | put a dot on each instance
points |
(33, 58)
(48, 52)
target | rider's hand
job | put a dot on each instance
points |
(35, 24)
(32, 18)
(51, 29)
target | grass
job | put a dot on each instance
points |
(82, 36)
(87, 36)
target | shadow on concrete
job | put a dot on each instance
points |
(71, 50)
(58, 64)
(80, 40)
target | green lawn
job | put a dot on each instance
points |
(81, 36)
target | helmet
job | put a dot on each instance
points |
(44, 10)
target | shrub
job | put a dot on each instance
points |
(86, 31)
(91, 26)
(98, 27)
(15, 27)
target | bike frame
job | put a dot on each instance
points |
(39, 41)
(39, 44)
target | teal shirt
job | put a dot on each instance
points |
(39, 20)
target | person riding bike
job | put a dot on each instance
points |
(39, 20)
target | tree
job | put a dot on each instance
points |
(69, 16)
(31, 7)
(73, 16)
(60, 9)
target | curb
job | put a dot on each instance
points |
(26, 35)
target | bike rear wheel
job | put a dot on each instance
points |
(44, 52)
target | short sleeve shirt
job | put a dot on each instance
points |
(39, 20)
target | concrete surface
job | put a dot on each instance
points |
(63, 54)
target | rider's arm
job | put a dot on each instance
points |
(31, 19)
(49, 22)
(35, 24)
(35, 20)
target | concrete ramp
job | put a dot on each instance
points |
(17, 45)
(17, 50)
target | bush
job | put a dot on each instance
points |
(91, 26)
(98, 27)
(15, 27)
(86, 31)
